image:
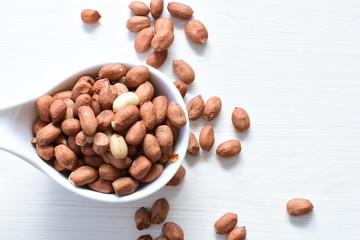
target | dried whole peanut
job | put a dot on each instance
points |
(107, 96)
(125, 185)
(229, 149)
(154, 172)
(165, 138)
(172, 231)
(112, 71)
(140, 167)
(100, 83)
(160, 105)
(58, 110)
(71, 126)
(143, 40)
(212, 108)
(193, 145)
(156, 59)
(139, 8)
(184, 71)
(81, 139)
(82, 100)
(174, 130)
(136, 133)
(128, 98)
(62, 95)
(299, 206)
(81, 88)
(59, 167)
(83, 175)
(125, 118)
(142, 218)
(176, 115)
(145, 237)
(145, 92)
(87, 150)
(95, 104)
(90, 16)
(87, 120)
(137, 23)
(47, 134)
(226, 223)
(240, 119)
(162, 40)
(207, 138)
(156, 8)
(182, 87)
(196, 31)
(195, 107)
(148, 115)
(180, 10)
(101, 143)
(238, 233)
(151, 148)
(38, 124)
(101, 185)
(43, 104)
(46, 152)
(118, 146)
(94, 161)
(72, 144)
(69, 108)
(87, 79)
(159, 211)
(109, 172)
(178, 177)
(104, 119)
(118, 163)
(66, 157)
(120, 88)
(163, 24)
(137, 76)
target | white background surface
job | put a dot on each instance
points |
(293, 65)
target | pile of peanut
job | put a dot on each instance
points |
(110, 133)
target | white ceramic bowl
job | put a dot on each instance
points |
(16, 131)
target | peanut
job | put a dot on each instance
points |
(145, 237)
(101, 143)
(87, 120)
(142, 218)
(172, 231)
(125, 99)
(90, 16)
(136, 133)
(143, 40)
(229, 148)
(38, 124)
(145, 92)
(196, 31)
(180, 10)
(125, 118)
(212, 108)
(99, 84)
(159, 211)
(69, 108)
(82, 100)
(148, 115)
(87, 79)
(43, 104)
(120, 88)
(240, 119)
(137, 76)
(94, 161)
(151, 148)
(238, 233)
(71, 126)
(107, 96)
(206, 138)
(176, 115)
(163, 24)
(165, 138)
(178, 177)
(101, 185)
(63, 95)
(81, 88)
(137, 23)
(182, 87)
(160, 105)
(156, 59)
(125, 185)
(81, 139)
(109, 172)
(71, 142)
(299, 206)
(58, 110)
(162, 40)
(112, 71)
(83, 175)
(103, 120)
(195, 107)
(66, 157)
(46, 152)
(47, 134)
(154, 172)
(193, 145)
(184, 71)
(118, 146)
(87, 150)
(140, 167)
(139, 8)
(225, 223)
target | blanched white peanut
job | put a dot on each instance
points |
(127, 98)
(118, 146)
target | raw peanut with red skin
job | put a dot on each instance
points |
(87, 120)
(176, 114)
(61, 139)
(172, 231)
(178, 177)
(212, 108)
(174, 130)
(196, 31)
(101, 185)
(107, 96)
(72, 144)
(195, 107)
(156, 59)
(137, 76)
(299, 206)
(139, 8)
(238, 233)
(156, 8)
(193, 145)
(101, 143)
(229, 149)
(66, 157)
(43, 104)
(47, 134)
(184, 71)
(163, 24)
(160, 105)
(104, 119)
(226, 223)
(90, 16)
(81, 88)
(148, 115)
(38, 124)
(109, 172)
(118, 163)
(99, 84)
(151, 148)
(143, 40)
(62, 95)
(87, 150)
(59, 167)
(87, 79)
(120, 88)
(45, 152)
(71, 126)
(159, 211)
(165, 138)
(112, 71)
(154, 172)
(125, 185)
(137, 23)
(82, 100)
(182, 87)
(180, 10)
(94, 161)
(145, 92)
(140, 167)
(207, 138)
(240, 119)
(125, 118)
(142, 218)
(95, 104)
(145, 237)
(81, 139)
(136, 133)
(162, 40)
(58, 110)
(69, 108)
(83, 175)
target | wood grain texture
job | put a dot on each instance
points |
(293, 65)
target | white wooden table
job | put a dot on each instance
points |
(293, 65)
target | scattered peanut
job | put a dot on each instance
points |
(299, 206)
